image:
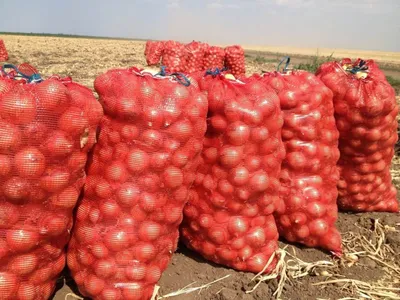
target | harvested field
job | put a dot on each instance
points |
(370, 266)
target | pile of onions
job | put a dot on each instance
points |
(214, 57)
(235, 60)
(308, 210)
(365, 111)
(46, 131)
(138, 182)
(228, 218)
(153, 52)
(195, 56)
(174, 57)
(3, 51)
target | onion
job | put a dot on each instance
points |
(54, 180)
(73, 122)
(116, 240)
(137, 161)
(10, 136)
(53, 95)
(16, 190)
(8, 285)
(18, 107)
(23, 265)
(30, 162)
(22, 240)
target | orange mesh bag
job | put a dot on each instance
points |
(47, 128)
(214, 57)
(174, 57)
(138, 180)
(365, 111)
(228, 218)
(235, 60)
(153, 52)
(3, 51)
(308, 210)
(195, 56)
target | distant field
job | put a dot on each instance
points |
(388, 57)
(85, 57)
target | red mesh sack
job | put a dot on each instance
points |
(235, 60)
(138, 180)
(46, 131)
(308, 210)
(365, 111)
(195, 56)
(3, 51)
(153, 52)
(174, 57)
(228, 218)
(214, 57)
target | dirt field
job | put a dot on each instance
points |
(369, 268)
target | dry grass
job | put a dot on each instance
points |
(356, 245)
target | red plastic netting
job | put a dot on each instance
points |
(174, 57)
(214, 58)
(3, 51)
(228, 218)
(309, 177)
(365, 111)
(138, 180)
(235, 60)
(46, 131)
(153, 52)
(195, 56)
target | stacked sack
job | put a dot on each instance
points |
(138, 181)
(195, 56)
(3, 51)
(153, 52)
(174, 57)
(235, 60)
(308, 210)
(365, 110)
(46, 130)
(228, 218)
(214, 57)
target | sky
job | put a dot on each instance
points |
(345, 24)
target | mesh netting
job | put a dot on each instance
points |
(153, 52)
(365, 111)
(214, 57)
(235, 60)
(228, 218)
(3, 51)
(308, 210)
(195, 56)
(46, 131)
(174, 57)
(138, 181)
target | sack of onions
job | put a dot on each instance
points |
(138, 182)
(174, 57)
(47, 128)
(214, 57)
(153, 52)
(228, 218)
(3, 51)
(365, 111)
(308, 211)
(195, 56)
(235, 60)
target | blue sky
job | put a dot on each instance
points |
(350, 24)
